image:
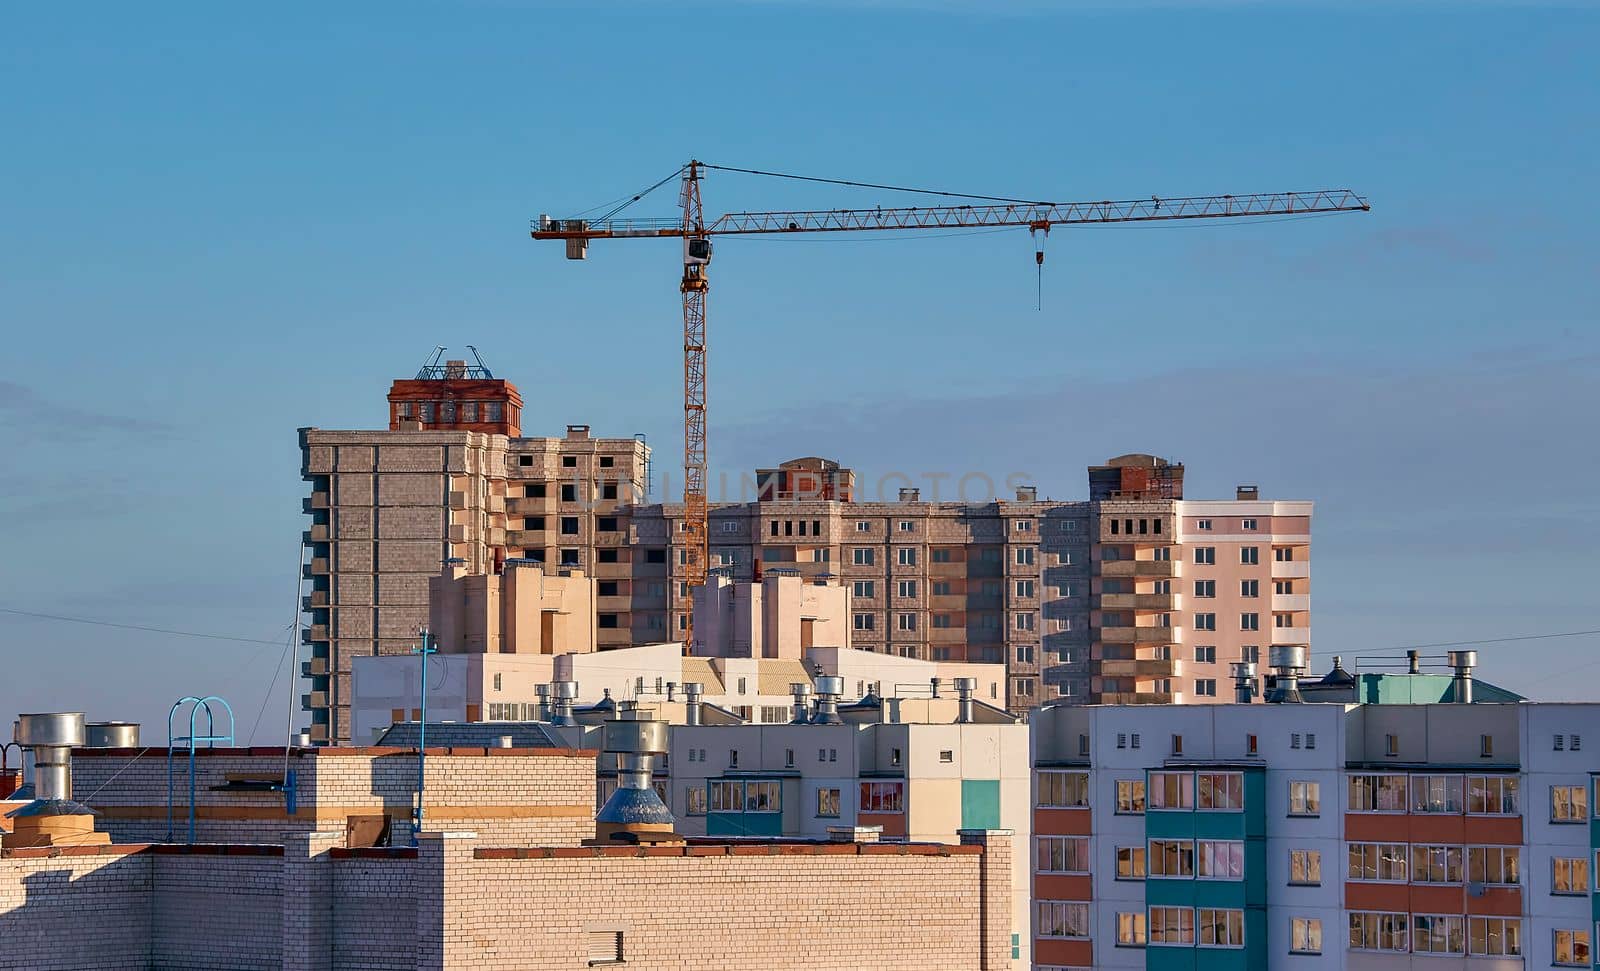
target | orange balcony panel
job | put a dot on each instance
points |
(1063, 886)
(1061, 822)
(1447, 899)
(1496, 902)
(1437, 828)
(1077, 954)
(1392, 897)
(1378, 827)
(1493, 830)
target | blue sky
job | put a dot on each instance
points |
(223, 222)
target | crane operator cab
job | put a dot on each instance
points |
(696, 251)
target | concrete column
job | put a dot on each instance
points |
(444, 891)
(995, 920)
(308, 900)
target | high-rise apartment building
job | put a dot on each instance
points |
(1136, 595)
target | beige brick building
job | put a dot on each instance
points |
(1014, 580)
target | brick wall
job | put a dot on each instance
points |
(512, 796)
(74, 911)
(212, 911)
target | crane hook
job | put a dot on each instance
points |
(1038, 261)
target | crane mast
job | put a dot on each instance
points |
(987, 211)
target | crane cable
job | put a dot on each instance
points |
(873, 185)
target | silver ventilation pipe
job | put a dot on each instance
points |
(691, 701)
(801, 692)
(829, 690)
(51, 738)
(1244, 681)
(542, 711)
(565, 693)
(1413, 662)
(1461, 684)
(1288, 663)
(111, 735)
(964, 689)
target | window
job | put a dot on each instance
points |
(1569, 874)
(1171, 858)
(828, 803)
(1494, 936)
(906, 621)
(1205, 588)
(1171, 790)
(1378, 861)
(1024, 556)
(906, 588)
(882, 797)
(1130, 863)
(655, 555)
(863, 622)
(1377, 794)
(569, 461)
(1283, 554)
(1063, 854)
(941, 620)
(906, 525)
(725, 796)
(1205, 555)
(1486, 746)
(1494, 864)
(1250, 588)
(1249, 524)
(1205, 621)
(906, 556)
(1436, 794)
(1130, 929)
(1434, 934)
(1435, 864)
(1219, 859)
(1493, 795)
(763, 797)
(1023, 621)
(1219, 790)
(941, 588)
(1063, 789)
(1249, 621)
(1569, 804)
(1060, 918)
(1205, 687)
(1305, 798)
(694, 798)
(1379, 931)
(1305, 868)
(1205, 655)
(1171, 925)
(1202, 524)
(947, 755)
(1250, 555)
(1572, 948)
(1305, 935)
(1220, 928)
(569, 493)
(862, 588)
(1130, 796)
(1024, 588)
(862, 556)
(1024, 525)
(940, 554)
(569, 557)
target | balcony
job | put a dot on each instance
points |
(1283, 602)
(458, 500)
(317, 567)
(319, 733)
(613, 637)
(314, 699)
(947, 635)
(1291, 635)
(526, 538)
(529, 506)
(1141, 635)
(1295, 570)
(316, 667)
(317, 500)
(1140, 601)
(942, 602)
(457, 532)
(616, 604)
(316, 534)
(1137, 568)
(947, 569)
(1138, 698)
(613, 571)
(1143, 669)
(316, 598)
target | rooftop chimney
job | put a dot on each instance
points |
(801, 692)
(964, 689)
(691, 701)
(1413, 662)
(1244, 681)
(634, 813)
(1027, 493)
(910, 494)
(1288, 663)
(52, 818)
(1247, 492)
(1461, 685)
(565, 693)
(672, 687)
(829, 690)
(543, 710)
(934, 683)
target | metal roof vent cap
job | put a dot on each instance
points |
(829, 690)
(1461, 683)
(565, 693)
(1288, 663)
(1244, 681)
(634, 812)
(801, 692)
(964, 689)
(692, 690)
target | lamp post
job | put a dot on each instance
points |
(422, 651)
